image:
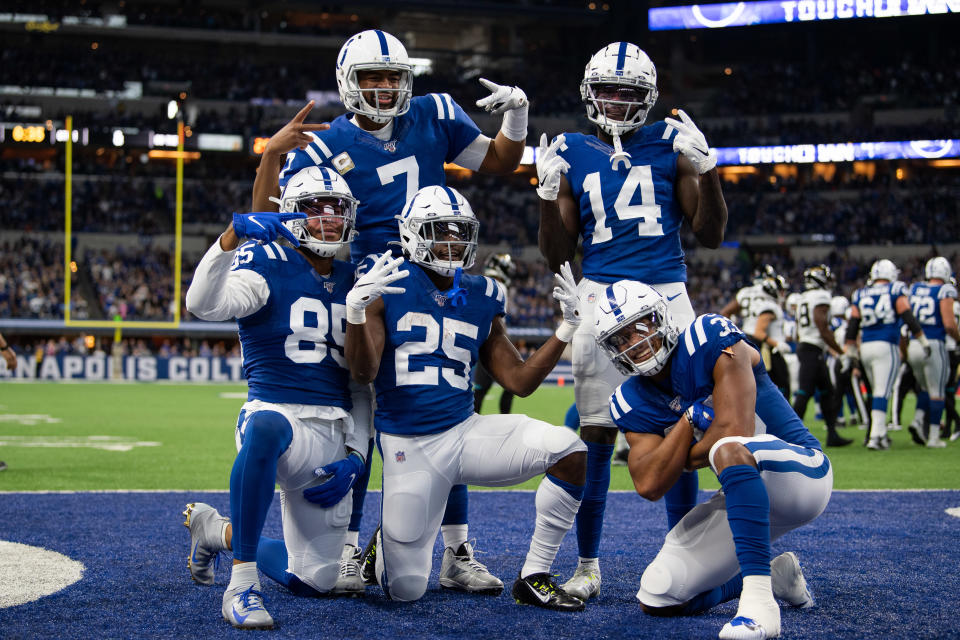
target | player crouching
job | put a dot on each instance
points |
(700, 396)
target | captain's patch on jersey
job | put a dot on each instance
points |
(343, 163)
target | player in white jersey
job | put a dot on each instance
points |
(952, 423)
(625, 191)
(295, 429)
(844, 371)
(390, 144)
(814, 337)
(879, 308)
(420, 344)
(932, 303)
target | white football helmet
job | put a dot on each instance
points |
(938, 267)
(839, 306)
(631, 316)
(369, 50)
(625, 68)
(438, 230)
(326, 198)
(883, 270)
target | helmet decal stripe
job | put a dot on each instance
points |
(612, 299)
(327, 182)
(621, 57)
(346, 47)
(453, 201)
(384, 49)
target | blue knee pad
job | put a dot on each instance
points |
(265, 437)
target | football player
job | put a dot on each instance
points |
(878, 308)
(813, 338)
(625, 191)
(389, 145)
(845, 371)
(932, 305)
(500, 267)
(697, 397)
(290, 306)
(419, 345)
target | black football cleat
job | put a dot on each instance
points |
(368, 561)
(540, 590)
(835, 440)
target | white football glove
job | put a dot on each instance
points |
(691, 142)
(566, 294)
(372, 285)
(502, 98)
(550, 167)
(925, 343)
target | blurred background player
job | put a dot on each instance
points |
(500, 267)
(932, 305)
(625, 191)
(395, 341)
(10, 361)
(878, 308)
(952, 423)
(388, 146)
(295, 429)
(814, 337)
(843, 371)
(694, 399)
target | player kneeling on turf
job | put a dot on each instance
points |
(700, 396)
(419, 341)
(295, 429)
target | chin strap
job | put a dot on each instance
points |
(619, 155)
(456, 294)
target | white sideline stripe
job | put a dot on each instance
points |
(484, 489)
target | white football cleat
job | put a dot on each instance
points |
(789, 585)
(459, 570)
(585, 582)
(243, 608)
(741, 628)
(207, 529)
(350, 581)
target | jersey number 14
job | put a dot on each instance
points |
(647, 212)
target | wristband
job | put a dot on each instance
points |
(514, 125)
(356, 316)
(565, 331)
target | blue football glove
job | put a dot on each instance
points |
(337, 477)
(700, 416)
(265, 226)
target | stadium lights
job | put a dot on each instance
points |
(117, 138)
(172, 109)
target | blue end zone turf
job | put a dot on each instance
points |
(881, 565)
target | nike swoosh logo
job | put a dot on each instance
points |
(239, 618)
(256, 222)
(543, 597)
(193, 556)
(673, 297)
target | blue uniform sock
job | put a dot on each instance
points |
(748, 512)
(360, 491)
(709, 599)
(936, 411)
(590, 515)
(266, 437)
(575, 490)
(272, 560)
(923, 402)
(457, 505)
(681, 497)
(878, 404)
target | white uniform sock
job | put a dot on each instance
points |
(454, 535)
(556, 511)
(878, 427)
(353, 537)
(757, 602)
(243, 575)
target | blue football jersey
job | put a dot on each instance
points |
(292, 348)
(629, 218)
(642, 406)
(878, 311)
(425, 382)
(384, 175)
(925, 302)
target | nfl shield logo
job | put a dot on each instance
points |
(591, 298)
(440, 299)
(677, 404)
(390, 146)
(400, 456)
(328, 286)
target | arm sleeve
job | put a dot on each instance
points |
(853, 328)
(911, 321)
(218, 294)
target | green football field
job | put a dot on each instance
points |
(56, 436)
